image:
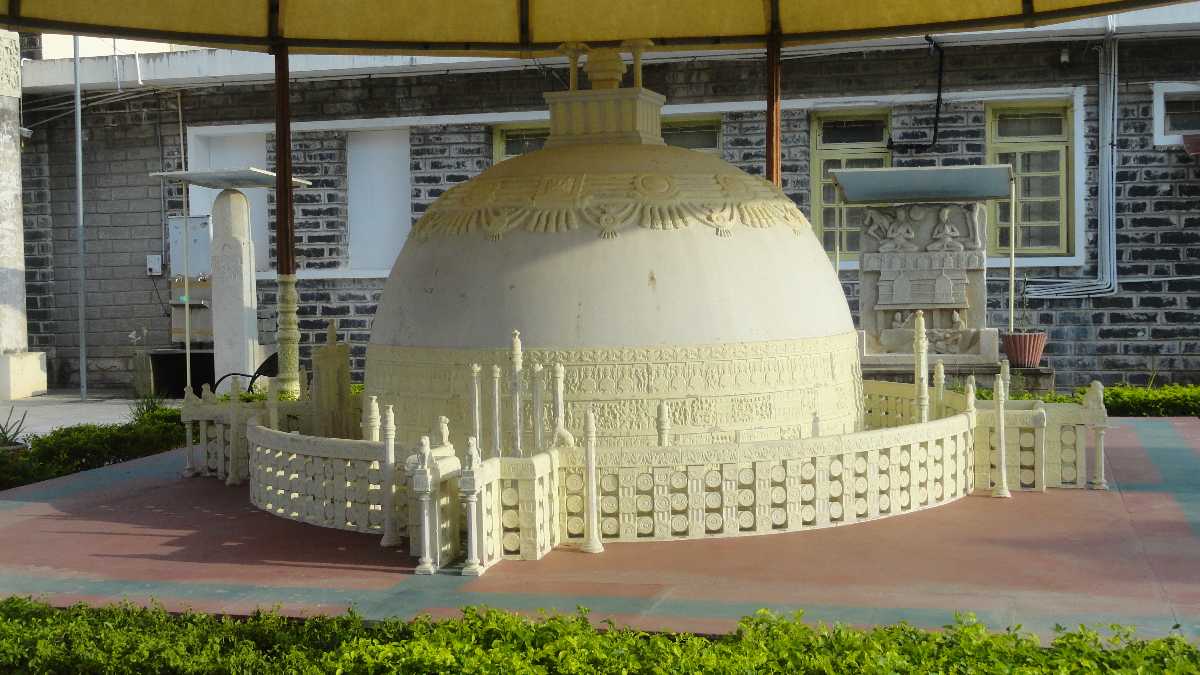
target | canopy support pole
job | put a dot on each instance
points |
(79, 233)
(287, 335)
(774, 121)
(1013, 208)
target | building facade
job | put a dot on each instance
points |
(379, 144)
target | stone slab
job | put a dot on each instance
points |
(22, 374)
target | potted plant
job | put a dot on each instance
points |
(11, 438)
(1024, 346)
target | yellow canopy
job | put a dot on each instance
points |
(530, 27)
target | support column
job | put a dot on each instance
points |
(774, 147)
(22, 372)
(591, 522)
(1000, 394)
(288, 333)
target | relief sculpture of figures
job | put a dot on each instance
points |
(925, 257)
(944, 233)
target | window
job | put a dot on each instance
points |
(1035, 140)
(702, 134)
(1182, 114)
(843, 141)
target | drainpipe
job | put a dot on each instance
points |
(1105, 282)
(83, 383)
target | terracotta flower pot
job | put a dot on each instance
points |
(1024, 350)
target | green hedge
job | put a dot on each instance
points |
(67, 450)
(1172, 400)
(35, 638)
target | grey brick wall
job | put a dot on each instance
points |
(444, 156)
(1148, 329)
(319, 215)
(349, 303)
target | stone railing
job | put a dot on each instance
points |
(1045, 444)
(733, 489)
(329, 482)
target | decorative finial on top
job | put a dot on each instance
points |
(330, 333)
(517, 357)
(605, 68)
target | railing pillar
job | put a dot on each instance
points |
(391, 535)
(370, 419)
(497, 441)
(562, 437)
(591, 525)
(939, 389)
(423, 486)
(1094, 400)
(515, 394)
(476, 411)
(538, 385)
(237, 431)
(1001, 396)
(921, 367)
(469, 490)
(664, 424)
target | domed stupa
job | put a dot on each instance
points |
(650, 273)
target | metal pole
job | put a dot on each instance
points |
(187, 255)
(774, 121)
(79, 230)
(287, 335)
(1013, 209)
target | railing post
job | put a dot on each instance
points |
(921, 367)
(273, 404)
(1094, 400)
(391, 536)
(664, 424)
(496, 401)
(189, 467)
(423, 486)
(370, 419)
(939, 389)
(1039, 444)
(516, 392)
(476, 411)
(591, 535)
(562, 437)
(969, 393)
(469, 490)
(538, 385)
(1001, 396)
(237, 431)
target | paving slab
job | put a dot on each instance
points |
(138, 531)
(62, 408)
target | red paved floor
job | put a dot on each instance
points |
(1130, 555)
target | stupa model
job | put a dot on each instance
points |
(650, 273)
(687, 368)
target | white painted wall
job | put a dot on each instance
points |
(380, 216)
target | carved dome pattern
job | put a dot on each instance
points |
(660, 188)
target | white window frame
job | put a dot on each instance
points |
(1161, 90)
(197, 135)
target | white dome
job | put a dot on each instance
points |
(643, 287)
(651, 273)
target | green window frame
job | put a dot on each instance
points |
(701, 133)
(1036, 139)
(844, 140)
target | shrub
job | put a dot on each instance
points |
(1172, 400)
(80, 447)
(38, 639)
